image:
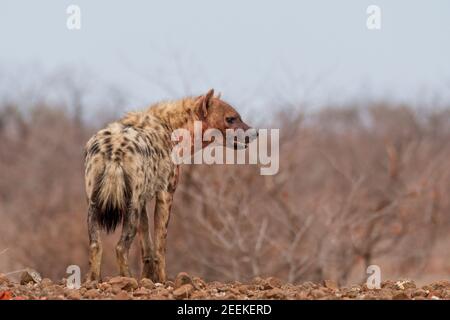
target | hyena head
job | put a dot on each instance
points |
(218, 114)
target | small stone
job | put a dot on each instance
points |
(405, 284)
(147, 283)
(122, 295)
(163, 292)
(302, 295)
(116, 290)
(55, 289)
(222, 288)
(90, 285)
(388, 284)
(92, 294)
(200, 294)
(257, 280)
(183, 292)
(308, 285)
(46, 282)
(123, 283)
(181, 279)
(355, 288)
(271, 283)
(275, 293)
(4, 279)
(30, 276)
(105, 286)
(317, 293)
(330, 284)
(244, 288)
(434, 293)
(419, 293)
(234, 291)
(73, 294)
(198, 283)
(351, 294)
(400, 296)
(439, 285)
(427, 288)
(5, 295)
(288, 286)
(446, 294)
(141, 292)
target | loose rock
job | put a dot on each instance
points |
(147, 283)
(183, 292)
(271, 283)
(30, 276)
(4, 279)
(92, 294)
(182, 279)
(123, 283)
(141, 292)
(275, 293)
(330, 284)
(122, 295)
(73, 294)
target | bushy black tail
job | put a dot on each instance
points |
(111, 196)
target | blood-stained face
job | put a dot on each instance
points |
(218, 114)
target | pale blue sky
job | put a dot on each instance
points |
(254, 51)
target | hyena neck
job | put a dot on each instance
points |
(171, 115)
(175, 114)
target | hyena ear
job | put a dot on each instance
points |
(204, 103)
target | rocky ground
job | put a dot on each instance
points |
(31, 286)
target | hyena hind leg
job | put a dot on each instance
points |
(129, 228)
(95, 246)
(162, 215)
(147, 254)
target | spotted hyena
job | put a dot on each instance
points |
(129, 162)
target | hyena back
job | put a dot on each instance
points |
(128, 163)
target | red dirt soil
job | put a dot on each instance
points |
(187, 287)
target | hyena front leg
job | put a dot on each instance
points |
(162, 215)
(146, 245)
(129, 229)
(95, 246)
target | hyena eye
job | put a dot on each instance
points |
(231, 120)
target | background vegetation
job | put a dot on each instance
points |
(358, 185)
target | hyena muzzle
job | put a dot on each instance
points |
(129, 162)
